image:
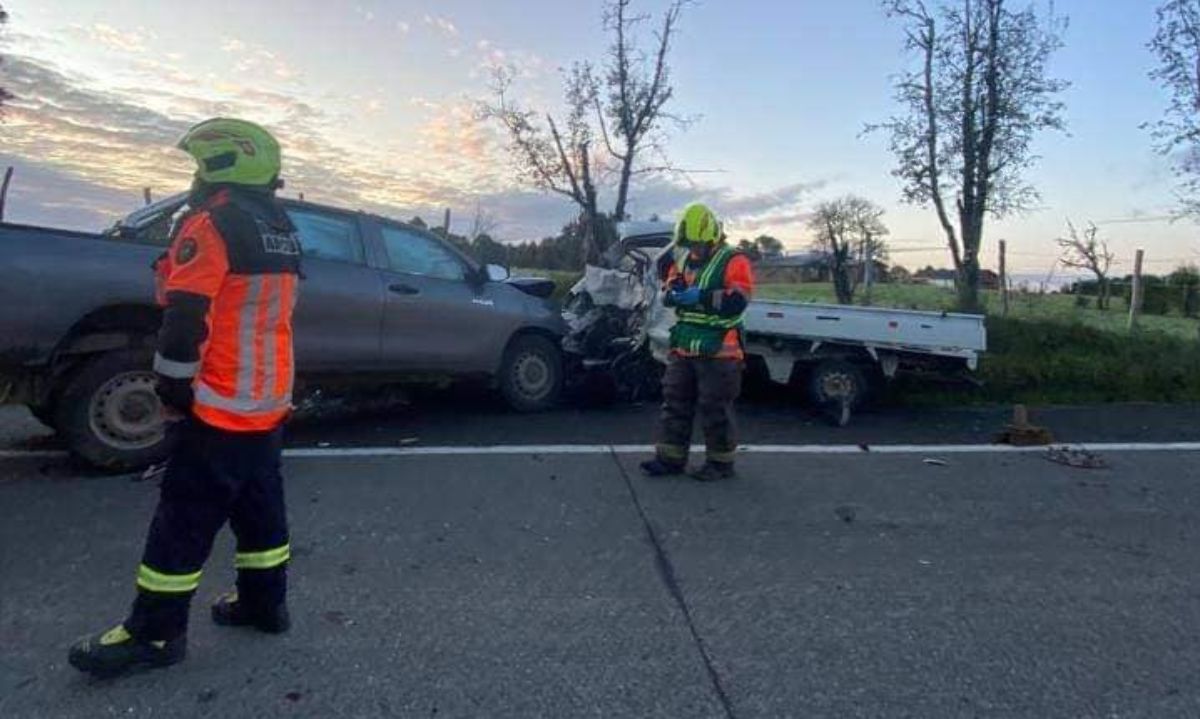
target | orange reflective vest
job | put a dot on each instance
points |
(228, 287)
(705, 331)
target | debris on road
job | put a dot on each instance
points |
(936, 462)
(1076, 457)
(1020, 433)
(152, 473)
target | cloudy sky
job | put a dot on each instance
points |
(373, 101)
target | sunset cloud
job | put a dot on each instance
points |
(100, 147)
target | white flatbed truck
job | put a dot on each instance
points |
(836, 352)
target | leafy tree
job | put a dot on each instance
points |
(1176, 45)
(979, 96)
(768, 246)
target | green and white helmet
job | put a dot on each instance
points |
(231, 151)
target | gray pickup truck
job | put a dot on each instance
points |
(381, 302)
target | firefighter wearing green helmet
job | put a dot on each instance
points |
(227, 286)
(709, 287)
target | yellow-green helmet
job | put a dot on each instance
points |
(232, 151)
(697, 225)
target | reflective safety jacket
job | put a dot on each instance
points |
(228, 286)
(714, 327)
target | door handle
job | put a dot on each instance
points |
(403, 289)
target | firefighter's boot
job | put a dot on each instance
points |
(659, 468)
(228, 611)
(117, 652)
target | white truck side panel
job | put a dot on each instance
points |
(946, 334)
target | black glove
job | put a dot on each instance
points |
(175, 394)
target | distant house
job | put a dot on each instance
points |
(937, 278)
(988, 279)
(799, 267)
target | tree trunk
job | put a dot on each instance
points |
(841, 278)
(968, 285)
(1102, 298)
(623, 191)
(968, 268)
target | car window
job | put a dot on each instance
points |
(327, 236)
(416, 254)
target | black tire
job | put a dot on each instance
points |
(108, 413)
(531, 375)
(833, 381)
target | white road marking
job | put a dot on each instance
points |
(586, 449)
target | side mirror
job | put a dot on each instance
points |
(497, 273)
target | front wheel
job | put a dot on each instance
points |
(531, 375)
(109, 413)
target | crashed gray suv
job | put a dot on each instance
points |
(381, 302)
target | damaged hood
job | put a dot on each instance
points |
(625, 302)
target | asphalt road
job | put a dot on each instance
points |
(863, 585)
(471, 418)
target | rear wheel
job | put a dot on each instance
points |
(838, 386)
(109, 414)
(531, 375)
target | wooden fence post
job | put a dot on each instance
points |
(1003, 279)
(1135, 293)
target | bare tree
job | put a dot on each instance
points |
(484, 223)
(1176, 44)
(848, 231)
(550, 157)
(624, 106)
(972, 108)
(1086, 252)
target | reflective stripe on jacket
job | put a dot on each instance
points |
(230, 287)
(703, 331)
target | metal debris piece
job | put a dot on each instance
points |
(1076, 457)
(153, 472)
(936, 462)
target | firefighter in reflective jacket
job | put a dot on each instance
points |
(709, 287)
(227, 284)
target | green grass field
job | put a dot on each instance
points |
(1046, 350)
(1049, 307)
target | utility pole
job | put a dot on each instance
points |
(869, 269)
(1003, 279)
(147, 196)
(8, 173)
(1135, 293)
(446, 223)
